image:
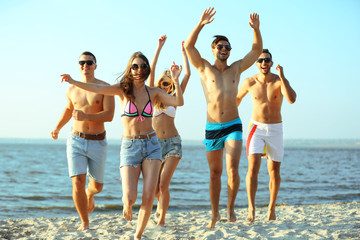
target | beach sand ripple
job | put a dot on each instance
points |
(323, 221)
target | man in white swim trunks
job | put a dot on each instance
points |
(265, 137)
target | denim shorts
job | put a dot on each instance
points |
(171, 147)
(134, 151)
(86, 156)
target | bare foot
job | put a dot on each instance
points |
(213, 220)
(161, 224)
(160, 219)
(231, 215)
(127, 213)
(251, 215)
(271, 214)
(83, 227)
(91, 202)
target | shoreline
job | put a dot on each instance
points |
(318, 221)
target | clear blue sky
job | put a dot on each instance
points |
(315, 41)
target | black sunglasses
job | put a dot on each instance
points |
(220, 46)
(88, 62)
(136, 67)
(165, 84)
(267, 60)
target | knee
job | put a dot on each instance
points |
(129, 199)
(233, 174)
(251, 174)
(98, 187)
(274, 175)
(215, 174)
(78, 184)
(147, 199)
(163, 187)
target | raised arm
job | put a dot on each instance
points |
(177, 99)
(286, 89)
(243, 90)
(162, 40)
(185, 80)
(64, 118)
(109, 90)
(193, 53)
(106, 115)
(257, 46)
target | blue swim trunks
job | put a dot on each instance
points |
(216, 134)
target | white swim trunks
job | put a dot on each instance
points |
(266, 139)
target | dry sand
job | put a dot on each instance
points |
(323, 221)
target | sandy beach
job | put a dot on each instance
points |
(323, 221)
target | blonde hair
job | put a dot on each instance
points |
(171, 89)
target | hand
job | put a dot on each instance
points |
(54, 134)
(254, 21)
(280, 71)
(207, 16)
(162, 40)
(175, 72)
(67, 78)
(79, 115)
(182, 46)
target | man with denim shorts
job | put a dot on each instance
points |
(265, 131)
(223, 128)
(86, 146)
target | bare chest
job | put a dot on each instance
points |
(266, 92)
(84, 99)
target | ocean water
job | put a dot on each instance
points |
(34, 178)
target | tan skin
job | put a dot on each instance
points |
(89, 112)
(267, 91)
(220, 82)
(164, 126)
(149, 169)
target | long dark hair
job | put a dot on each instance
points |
(126, 79)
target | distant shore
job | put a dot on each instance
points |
(321, 221)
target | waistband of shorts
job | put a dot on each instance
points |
(217, 126)
(100, 136)
(266, 124)
(170, 138)
(147, 136)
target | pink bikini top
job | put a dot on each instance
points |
(132, 111)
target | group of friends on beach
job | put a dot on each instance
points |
(151, 144)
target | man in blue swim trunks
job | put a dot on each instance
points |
(86, 145)
(223, 129)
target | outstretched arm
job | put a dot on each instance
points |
(65, 117)
(110, 90)
(257, 46)
(192, 52)
(286, 89)
(168, 99)
(185, 80)
(162, 40)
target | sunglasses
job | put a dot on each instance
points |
(267, 60)
(88, 62)
(220, 46)
(136, 67)
(165, 84)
